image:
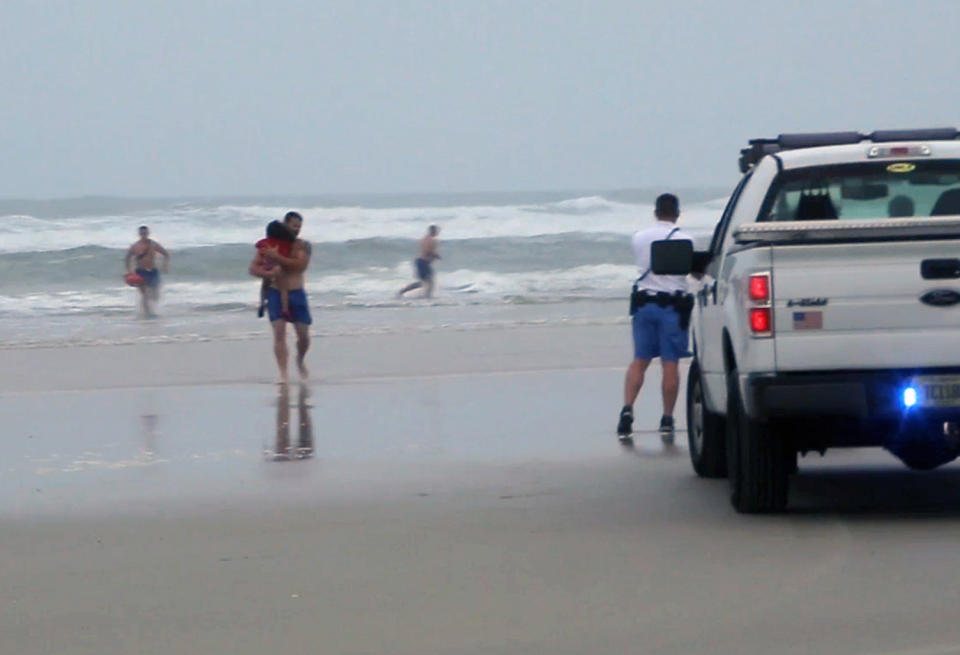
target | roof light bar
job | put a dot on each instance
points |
(814, 139)
(759, 148)
(931, 134)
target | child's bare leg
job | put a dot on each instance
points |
(264, 291)
(281, 285)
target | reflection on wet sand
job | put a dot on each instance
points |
(647, 443)
(148, 424)
(304, 449)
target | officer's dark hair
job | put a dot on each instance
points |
(289, 216)
(667, 206)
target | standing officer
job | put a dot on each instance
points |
(661, 307)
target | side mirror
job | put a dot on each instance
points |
(671, 257)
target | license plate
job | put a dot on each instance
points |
(938, 390)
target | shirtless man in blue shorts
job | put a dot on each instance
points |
(293, 267)
(143, 254)
(424, 264)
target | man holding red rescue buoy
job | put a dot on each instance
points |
(143, 274)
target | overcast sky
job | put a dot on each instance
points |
(197, 97)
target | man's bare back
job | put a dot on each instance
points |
(428, 248)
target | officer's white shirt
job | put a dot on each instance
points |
(641, 251)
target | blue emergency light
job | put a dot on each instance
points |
(909, 397)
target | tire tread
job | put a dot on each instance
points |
(759, 478)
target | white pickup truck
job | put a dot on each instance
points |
(827, 309)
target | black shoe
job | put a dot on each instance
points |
(666, 429)
(625, 426)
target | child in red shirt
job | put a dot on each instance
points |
(279, 237)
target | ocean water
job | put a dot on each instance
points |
(508, 257)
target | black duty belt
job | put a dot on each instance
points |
(681, 302)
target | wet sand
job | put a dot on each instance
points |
(455, 492)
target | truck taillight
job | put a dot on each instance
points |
(760, 287)
(760, 312)
(760, 321)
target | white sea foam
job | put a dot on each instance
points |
(519, 259)
(374, 286)
(188, 227)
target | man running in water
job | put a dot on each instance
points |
(424, 264)
(143, 253)
(293, 279)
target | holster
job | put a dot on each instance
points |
(684, 307)
(637, 299)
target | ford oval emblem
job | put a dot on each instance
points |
(940, 297)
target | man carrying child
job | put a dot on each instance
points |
(289, 270)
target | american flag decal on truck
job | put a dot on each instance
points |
(808, 320)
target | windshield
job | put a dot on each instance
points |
(874, 190)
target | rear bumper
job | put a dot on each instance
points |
(860, 395)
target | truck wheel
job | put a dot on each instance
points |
(758, 461)
(705, 430)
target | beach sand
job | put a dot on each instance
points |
(196, 422)
(437, 492)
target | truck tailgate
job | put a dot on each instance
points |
(847, 305)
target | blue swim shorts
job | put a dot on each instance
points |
(298, 306)
(151, 277)
(657, 333)
(424, 269)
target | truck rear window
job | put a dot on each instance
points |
(868, 191)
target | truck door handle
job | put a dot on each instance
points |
(940, 269)
(713, 291)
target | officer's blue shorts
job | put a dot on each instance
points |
(657, 333)
(298, 306)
